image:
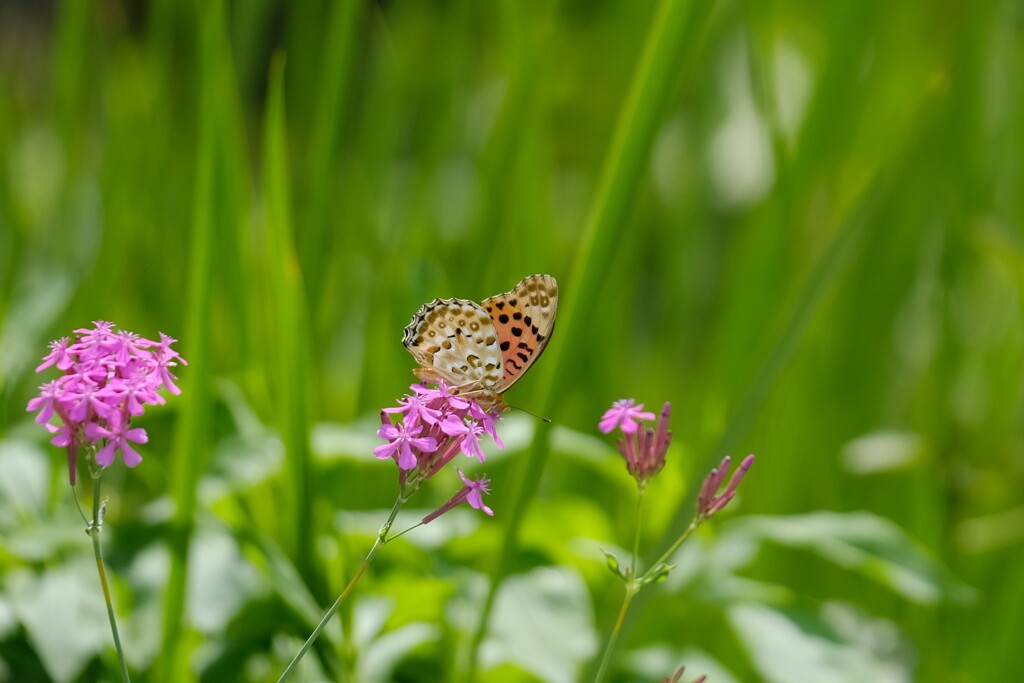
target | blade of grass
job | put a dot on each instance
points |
(192, 438)
(289, 375)
(672, 30)
(334, 96)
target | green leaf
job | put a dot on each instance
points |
(543, 624)
(63, 614)
(866, 543)
(834, 646)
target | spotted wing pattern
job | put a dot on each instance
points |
(454, 340)
(524, 319)
(486, 347)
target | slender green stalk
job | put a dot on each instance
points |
(382, 538)
(191, 442)
(636, 531)
(635, 583)
(679, 541)
(289, 374)
(94, 530)
(632, 588)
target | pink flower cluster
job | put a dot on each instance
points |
(434, 426)
(109, 377)
(643, 447)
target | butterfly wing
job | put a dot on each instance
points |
(455, 340)
(524, 320)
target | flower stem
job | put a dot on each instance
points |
(631, 589)
(636, 533)
(94, 530)
(679, 541)
(382, 538)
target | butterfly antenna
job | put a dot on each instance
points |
(539, 417)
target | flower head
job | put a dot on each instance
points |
(643, 447)
(109, 377)
(436, 424)
(427, 430)
(624, 414)
(708, 503)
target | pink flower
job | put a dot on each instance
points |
(109, 378)
(403, 441)
(472, 492)
(117, 436)
(707, 502)
(58, 355)
(49, 393)
(624, 414)
(451, 422)
(166, 358)
(476, 490)
(643, 448)
(417, 408)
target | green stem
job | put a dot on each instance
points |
(382, 538)
(632, 588)
(94, 530)
(636, 533)
(679, 541)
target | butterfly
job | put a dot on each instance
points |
(483, 349)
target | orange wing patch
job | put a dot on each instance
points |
(524, 319)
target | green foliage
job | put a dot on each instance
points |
(798, 222)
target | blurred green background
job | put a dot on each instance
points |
(798, 222)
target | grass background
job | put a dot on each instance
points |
(800, 223)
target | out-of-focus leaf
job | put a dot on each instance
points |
(542, 623)
(866, 543)
(882, 452)
(380, 653)
(656, 662)
(33, 309)
(63, 613)
(7, 619)
(23, 487)
(790, 646)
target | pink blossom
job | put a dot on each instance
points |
(453, 423)
(477, 489)
(49, 393)
(644, 448)
(403, 441)
(624, 414)
(109, 378)
(117, 436)
(58, 355)
(472, 492)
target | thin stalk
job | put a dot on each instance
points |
(636, 533)
(679, 541)
(632, 588)
(382, 538)
(94, 530)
